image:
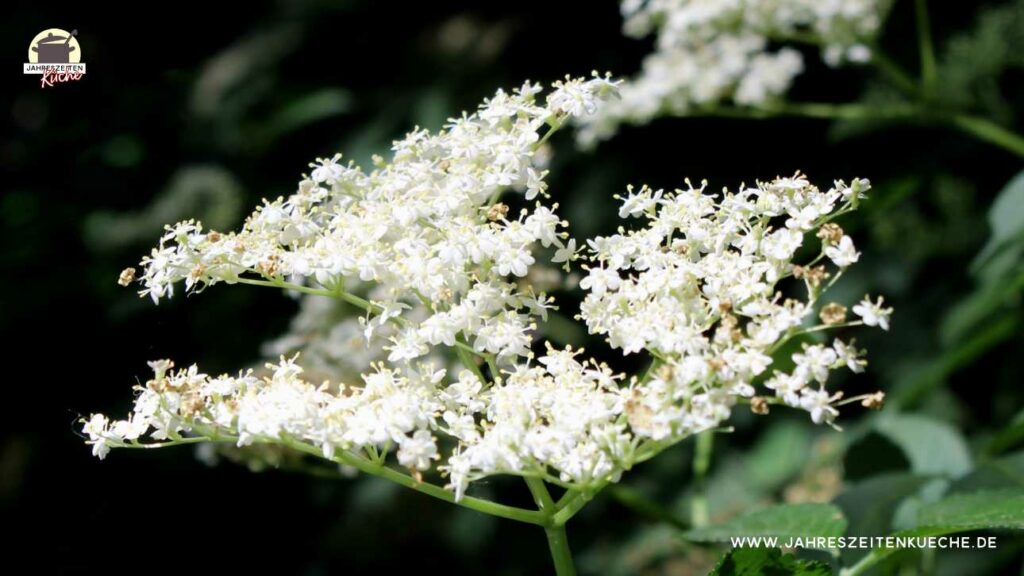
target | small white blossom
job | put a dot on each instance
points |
(819, 404)
(873, 313)
(842, 254)
(417, 452)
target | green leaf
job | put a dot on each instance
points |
(1004, 472)
(766, 562)
(1006, 217)
(869, 505)
(972, 316)
(741, 481)
(985, 509)
(309, 109)
(642, 552)
(779, 454)
(784, 521)
(932, 446)
(933, 372)
(982, 510)
(1007, 438)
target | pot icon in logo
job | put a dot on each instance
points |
(55, 46)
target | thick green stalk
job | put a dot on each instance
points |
(927, 51)
(558, 542)
(701, 464)
(560, 553)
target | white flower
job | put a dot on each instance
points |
(577, 97)
(599, 280)
(873, 313)
(416, 452)
(815, 361)
(637, 203)
(842, 254)
(819, 404)
(95, 426)
(514, 261)
(96, 429)
(566, 253)
(409, 346)
(849, 356)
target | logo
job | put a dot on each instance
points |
(56, 56)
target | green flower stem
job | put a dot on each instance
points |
(927, 51)
(652, 368)
(478, 504)
(980, 128)
(540, 495)
(374, 469)
(558, 542)
(574, 501)
(469, 363)
(167, 444)
(348, 297)
(289, 286)
(894, 72)
(866, 563)
(492, 365)
(352, 299)
(554, 125)
(989, 132)
(820, 110)
(701, 464)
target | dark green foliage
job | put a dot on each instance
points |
(767, 562)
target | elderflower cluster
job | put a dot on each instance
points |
(559, 415)
(698, 288)
(423, 228)
(710, 51)
(442, 266)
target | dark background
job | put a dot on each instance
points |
(252, 93)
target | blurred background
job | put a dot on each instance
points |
(200, 110)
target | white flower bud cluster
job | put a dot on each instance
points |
(709, 51)
(560, 415)
(421, 228)
(698, 288)
(425, 239)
